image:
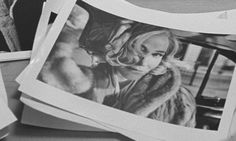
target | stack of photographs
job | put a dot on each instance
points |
(143, 73)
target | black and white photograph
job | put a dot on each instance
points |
(174, 77)
(177, 77)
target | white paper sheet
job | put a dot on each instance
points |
(7, 116)
(196, 22)
(3, 94)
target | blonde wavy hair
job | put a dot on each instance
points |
(119, 45)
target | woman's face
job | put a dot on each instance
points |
(144, 53)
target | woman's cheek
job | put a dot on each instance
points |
(152, 62)
(135, 59)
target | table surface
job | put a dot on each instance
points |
(10, 70)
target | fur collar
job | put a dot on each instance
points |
(150, 92)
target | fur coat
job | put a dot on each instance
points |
(159, 97)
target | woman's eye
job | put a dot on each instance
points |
(133, 45)
(158, 54)
(144, 49)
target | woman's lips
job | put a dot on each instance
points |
(140, 69)
(132, 68)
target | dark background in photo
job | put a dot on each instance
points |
(26, 16)
(3, 44)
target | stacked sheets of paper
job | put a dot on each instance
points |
(147, 74)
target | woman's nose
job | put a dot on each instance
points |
(140, 61)
(151, 61)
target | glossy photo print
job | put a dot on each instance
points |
(162, 78)
(141, 69)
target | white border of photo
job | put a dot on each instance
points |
(56, 112)
(208, 22)
(103, 114)
(14, 56)
(42, 29)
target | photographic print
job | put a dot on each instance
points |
(139, 68)
(168, 78)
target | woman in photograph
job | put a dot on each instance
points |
(134, 71)
(150, 82)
